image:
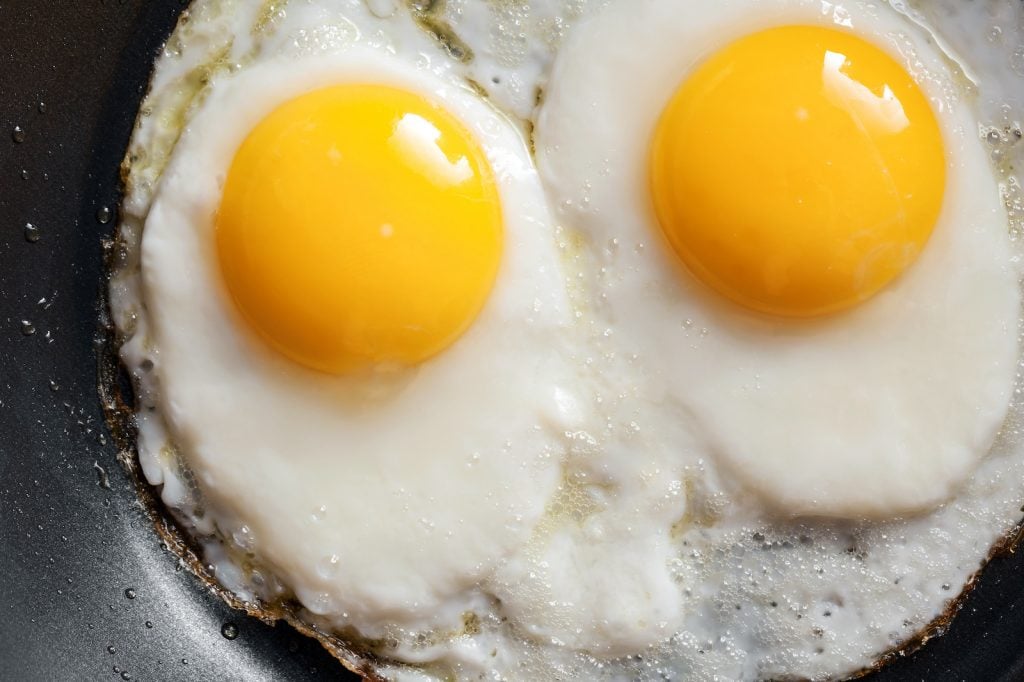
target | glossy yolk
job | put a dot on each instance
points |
(359, 224)
(798, 170)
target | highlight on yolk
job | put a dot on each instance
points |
(798, 171)
(359, 224)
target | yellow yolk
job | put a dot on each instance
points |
(359, 224)
(798, 170)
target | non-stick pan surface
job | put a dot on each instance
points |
(86, 590)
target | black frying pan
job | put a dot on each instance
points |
(86, 589)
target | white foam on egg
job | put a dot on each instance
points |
(638, 543)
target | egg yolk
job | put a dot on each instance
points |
(359, 224)
(798, 171)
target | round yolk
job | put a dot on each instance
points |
(798, 171)
(359, 224)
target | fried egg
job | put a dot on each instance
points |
(844, 246)
(290, 238)
(459, 332)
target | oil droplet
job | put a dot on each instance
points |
(27, 328)
(229, 630)
(382, 9)
(130, 593)
(125, 675)
(103, 215)
(18, 134)
(111, 650)
(32, 233)
(149, 625)
(184, 661)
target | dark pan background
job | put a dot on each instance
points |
(73, 540)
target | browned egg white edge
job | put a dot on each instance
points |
(118, 406)
(116, 392)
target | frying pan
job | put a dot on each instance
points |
(87, 591)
